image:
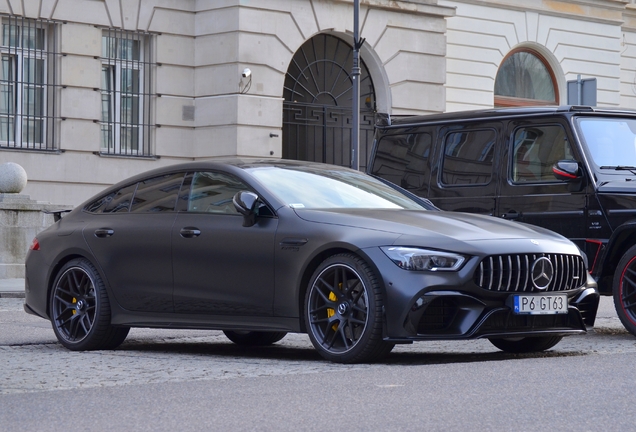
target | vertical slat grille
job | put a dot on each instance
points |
(513, 273)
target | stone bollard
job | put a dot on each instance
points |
(21, 218)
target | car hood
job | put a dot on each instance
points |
(444, 229)
(618, 186)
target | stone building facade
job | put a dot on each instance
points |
(93, 91)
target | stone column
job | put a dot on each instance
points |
(21, 218)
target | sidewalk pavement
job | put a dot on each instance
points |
(11, 288)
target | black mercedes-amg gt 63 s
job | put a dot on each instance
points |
(259, 248)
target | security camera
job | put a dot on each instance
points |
(246, 72)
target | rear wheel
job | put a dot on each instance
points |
(526, 344)
(343, 311)
(624, 290)
(80, 310)
(254, 338)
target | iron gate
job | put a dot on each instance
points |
(317, 112)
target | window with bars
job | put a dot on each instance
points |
(27, 84)
(126, 93)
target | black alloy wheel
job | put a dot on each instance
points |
(254, 338)
(343, 311)
(624, 290)
(525, 344)
(80, 311)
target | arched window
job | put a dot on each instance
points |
(525, 78)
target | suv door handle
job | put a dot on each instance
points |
(104, 232)
(511, 215)
(189, 232)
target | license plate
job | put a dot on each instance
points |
(540, 304)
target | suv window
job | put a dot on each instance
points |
(403, 159)
(535, 150)
(468, 157)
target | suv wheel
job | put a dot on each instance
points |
(624, 288)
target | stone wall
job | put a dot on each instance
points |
(20, 220)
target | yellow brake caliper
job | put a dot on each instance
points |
(74, 301)
(331, 312)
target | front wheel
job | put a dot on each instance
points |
(254, 338)
(343, 311)
(525, 344)
(80, 311)
(624, 290)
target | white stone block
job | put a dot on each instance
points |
(81, 39)
(89, 12)
(80, 103)
(80, 135)
(175, 50)
(418, 96)
(176, 142)
(164, 20)
(175, 111)
(175, 81)
(216, 49)
(80, 71)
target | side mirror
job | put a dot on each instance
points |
(570, 172)
(567, 170)
(247, 203)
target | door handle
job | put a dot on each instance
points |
(511, 215)
(189, 232)
(104, 232)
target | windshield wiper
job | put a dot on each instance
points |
(629, 168)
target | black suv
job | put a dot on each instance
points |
(570, 169)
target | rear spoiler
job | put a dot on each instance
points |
(57, 214)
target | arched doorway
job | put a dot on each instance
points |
(317, 111)
(525, 78)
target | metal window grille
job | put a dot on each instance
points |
(27, 83)
(126, 93)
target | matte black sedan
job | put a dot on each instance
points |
(261, 248)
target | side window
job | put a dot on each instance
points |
(115, 202)
(535, 150)
(157, 194)
(468, 157)
(402, 159)
(212, 192)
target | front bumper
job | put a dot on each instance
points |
(453, 315)
(449, 305)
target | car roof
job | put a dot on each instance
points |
(387, 121)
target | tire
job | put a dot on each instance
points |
(343, 311)
(80, 310)
(526, 344)
(624, 290)
(254, 338)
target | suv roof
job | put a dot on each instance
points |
(387, 121)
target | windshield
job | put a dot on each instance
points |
(314, 187)
(611, 141)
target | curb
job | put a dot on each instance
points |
(11, 295)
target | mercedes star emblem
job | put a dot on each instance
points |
(542, 273)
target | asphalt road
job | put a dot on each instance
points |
(197, 380)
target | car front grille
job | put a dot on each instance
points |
(516, 273)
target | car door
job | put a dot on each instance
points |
(464, 177)
(129, 232)
(220, 266)
(529, 191)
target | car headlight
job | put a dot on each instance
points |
(417, 259)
